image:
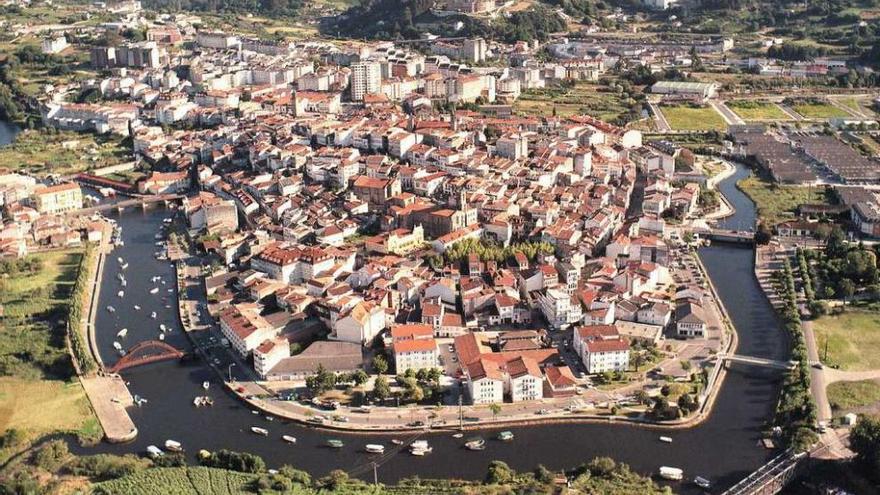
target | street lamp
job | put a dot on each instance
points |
(230, 371)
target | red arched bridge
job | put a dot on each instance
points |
(150, 351)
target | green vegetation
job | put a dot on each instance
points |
(776, 203)
(851, 339)
(181, 480)
(36, 394)
(48, 151)
(816, 109)
(77, 334)
(489, 251)
(796, 410)
(865, 442)
(579, 99)
(692, 118)
(601, 475)
(757, 110)
(845, 396)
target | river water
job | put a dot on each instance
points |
(725, 448)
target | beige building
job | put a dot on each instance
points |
(58, 198)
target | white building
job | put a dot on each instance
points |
(414, 347)
(366, 77)
(245, 329)
(268, 354)
(559, 308)
(360, 324)
(54, 44)
(601, 348)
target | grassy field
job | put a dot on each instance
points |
(687, 118)
(819, 111)
(845, 396)
(583, 98)
(853, 339)
(41, 153)
(37, 394)
(775, 202)
(757, 110)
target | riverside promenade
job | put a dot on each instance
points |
(108, 394)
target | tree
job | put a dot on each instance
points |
(381, 389)
(763, 235)
(687, 403)
(642, 397)
(864, 440)
(495, 409)
(321, 381)
(380, 364)
(334, 480)
(802, 439)
(295, 475)
(499, 473)
(602, 466)
(543, 475)
(359, 377)
(846, 289)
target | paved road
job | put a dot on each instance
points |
(726, 113)
(659, 118)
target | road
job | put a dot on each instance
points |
(659, 118)
(726, 113)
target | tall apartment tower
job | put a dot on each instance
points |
(366, 77)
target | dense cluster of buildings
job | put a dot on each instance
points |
(349, 214)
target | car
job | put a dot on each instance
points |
(451, 348)
(542, 412)
(819, 366)
(454, 359)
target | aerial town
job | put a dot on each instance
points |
(431, 235)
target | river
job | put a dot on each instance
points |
(725, 448)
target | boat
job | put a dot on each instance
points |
(161, 336)
(505, 436)
(335, 444)
(162, 327)
(154, 290)
(206, 385)
(173, 446)
(154, 451)
(671, 473)
(124, 266)
(122, 333)
(260, 431)
(288, 438)
(121, 293)
(702, 482)
(421, 452)
(475, 444)
(666, 439)
(123, 282)
(153, 315)
(137, 308)
(397, 442)
(270, 418)
(122, 352)
(138, 400)
(420, 448)
(111, 309)
(374, 448)
(457, 435)
(117, 346)
(120, 260)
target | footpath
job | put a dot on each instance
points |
(108, 394)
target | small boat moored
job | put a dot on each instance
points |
(206, 385)
(154, 290)
(505, 436)
(475, 444)
(335, 444)
(374, 448)
(154, 451)
(671, 473)
(396, 441)
(666, 439)
(288, 438)
(458, 435)
(173, 446)
(260, 431)
(702, 482)
(111, 309)
(122, 333)
(420, 448)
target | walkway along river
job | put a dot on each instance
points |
(724, 448)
